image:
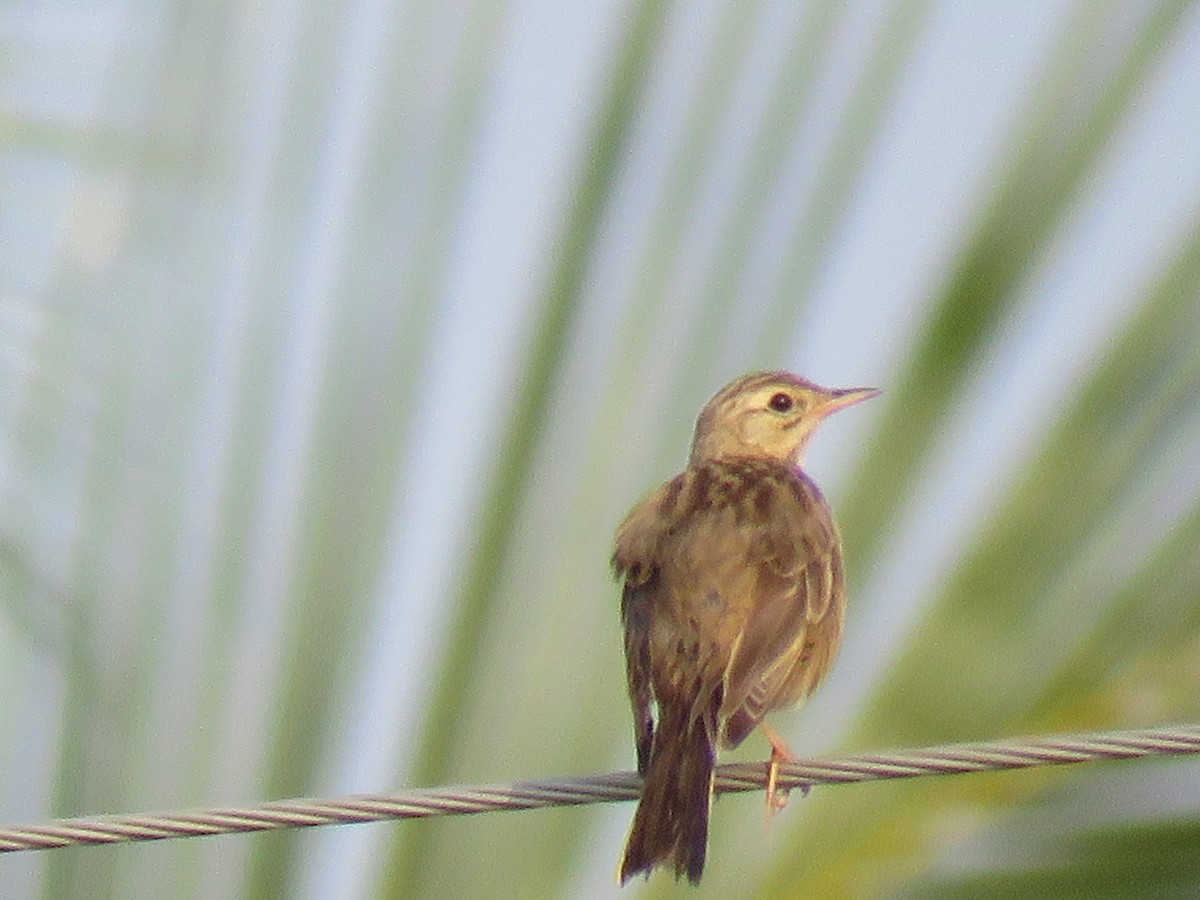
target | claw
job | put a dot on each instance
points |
(777, 799)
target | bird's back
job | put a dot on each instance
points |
(733, 588)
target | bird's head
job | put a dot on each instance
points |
(767, 414)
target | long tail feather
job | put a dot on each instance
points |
(671, 822)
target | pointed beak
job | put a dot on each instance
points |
(843, 398)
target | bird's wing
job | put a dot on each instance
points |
(635, 561)
(793, 620)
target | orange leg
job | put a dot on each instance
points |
(780, 753)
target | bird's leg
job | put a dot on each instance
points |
(780, 753)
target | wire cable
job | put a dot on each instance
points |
(951, 759)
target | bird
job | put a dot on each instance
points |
(732, 604)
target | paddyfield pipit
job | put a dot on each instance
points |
(733, 604)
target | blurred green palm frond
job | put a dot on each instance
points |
(335, 340)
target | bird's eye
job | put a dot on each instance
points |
(781, 402)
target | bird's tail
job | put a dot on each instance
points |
(671, 822)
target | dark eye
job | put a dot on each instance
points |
(781, 402)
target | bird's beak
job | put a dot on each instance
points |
(846, 397)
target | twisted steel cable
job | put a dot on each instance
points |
(951, 759)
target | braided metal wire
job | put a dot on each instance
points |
(950, 759)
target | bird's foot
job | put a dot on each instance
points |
(776, 798)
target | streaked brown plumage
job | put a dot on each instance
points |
(733, 603)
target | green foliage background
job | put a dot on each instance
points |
(230, 282)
